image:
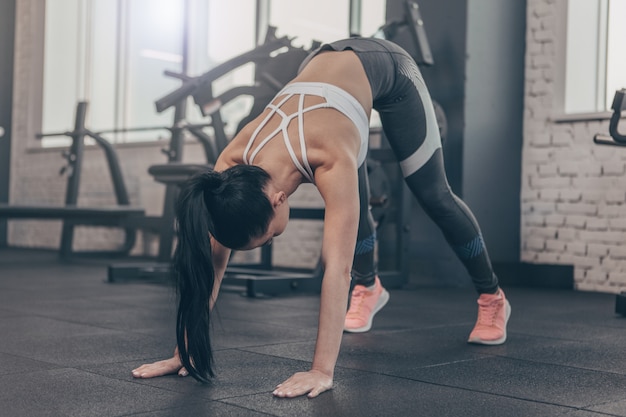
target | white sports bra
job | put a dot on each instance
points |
(336, 98)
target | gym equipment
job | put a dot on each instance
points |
(122, 215)
(410, 33)
(615, 138)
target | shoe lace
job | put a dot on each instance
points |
(488, 312)
(356, 301)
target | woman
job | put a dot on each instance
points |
(316, 130)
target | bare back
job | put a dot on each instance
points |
(329, 134)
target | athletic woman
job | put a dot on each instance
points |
(316, 130)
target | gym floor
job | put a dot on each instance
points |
(68, 340)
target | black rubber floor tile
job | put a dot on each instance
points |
(93, 312)
(12, 364)
(69, 392)
(208, 408)
(603, 354)
(554, 384)
(238, 373)
(229, 334)
(69, 344)
(378, 395)
(390, 353)
(617, 408)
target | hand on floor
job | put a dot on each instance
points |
(312, 383)
(160, 368)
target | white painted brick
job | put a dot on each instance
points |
(554, 245)
(539, 87)
(569, 167)
(534, 220)
(543, 232)
(617, 277)
(611, 210)
(606, 237)
(550, 258)
(534, 48)
(535, 243)
(576, 208)
(570, 195)
(541, 9)
(577, 248)
(536, 155)
(585, 262)
(596, 223)
(548, 47)
(617, 223)
(603, 153)
(576, 221)
(615, 196)
(540, 139)
(543, 35)
(549, 194)
(591, 195)
(613, 168)
(598, 249)
(579, 274)
(548, 170)
(528, 194)
(561, 139)
(596, 276)
(546, 182)
(567, 234)
(618, 252)
(528, 256)
(554, 220)
(541, 207)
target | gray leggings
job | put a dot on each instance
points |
(410, 126)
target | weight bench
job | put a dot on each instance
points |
(112, 216)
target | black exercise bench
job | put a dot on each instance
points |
(112, 216)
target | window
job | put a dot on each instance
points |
(595, 61)
(310, 20)
(113, 54)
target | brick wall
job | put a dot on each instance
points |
(573, 191)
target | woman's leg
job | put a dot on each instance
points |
(410, 125)
(368, 295)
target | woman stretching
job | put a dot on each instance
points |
(316, 130)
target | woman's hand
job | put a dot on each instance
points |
(312, 383)
(165, 367)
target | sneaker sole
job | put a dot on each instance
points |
(382, 300)
(500, 340)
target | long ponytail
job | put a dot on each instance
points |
(232, 207)
(193, 266)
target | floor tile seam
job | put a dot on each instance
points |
(49, 366)
(540, 362)
(246, 349)
(38, 315)
(566, 339)
(433, 327)
(488, 393)
(604, 413)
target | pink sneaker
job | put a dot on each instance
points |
(494, 311)
(364, 304)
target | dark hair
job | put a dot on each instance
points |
(233, 207)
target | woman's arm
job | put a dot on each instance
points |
(338, 186)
